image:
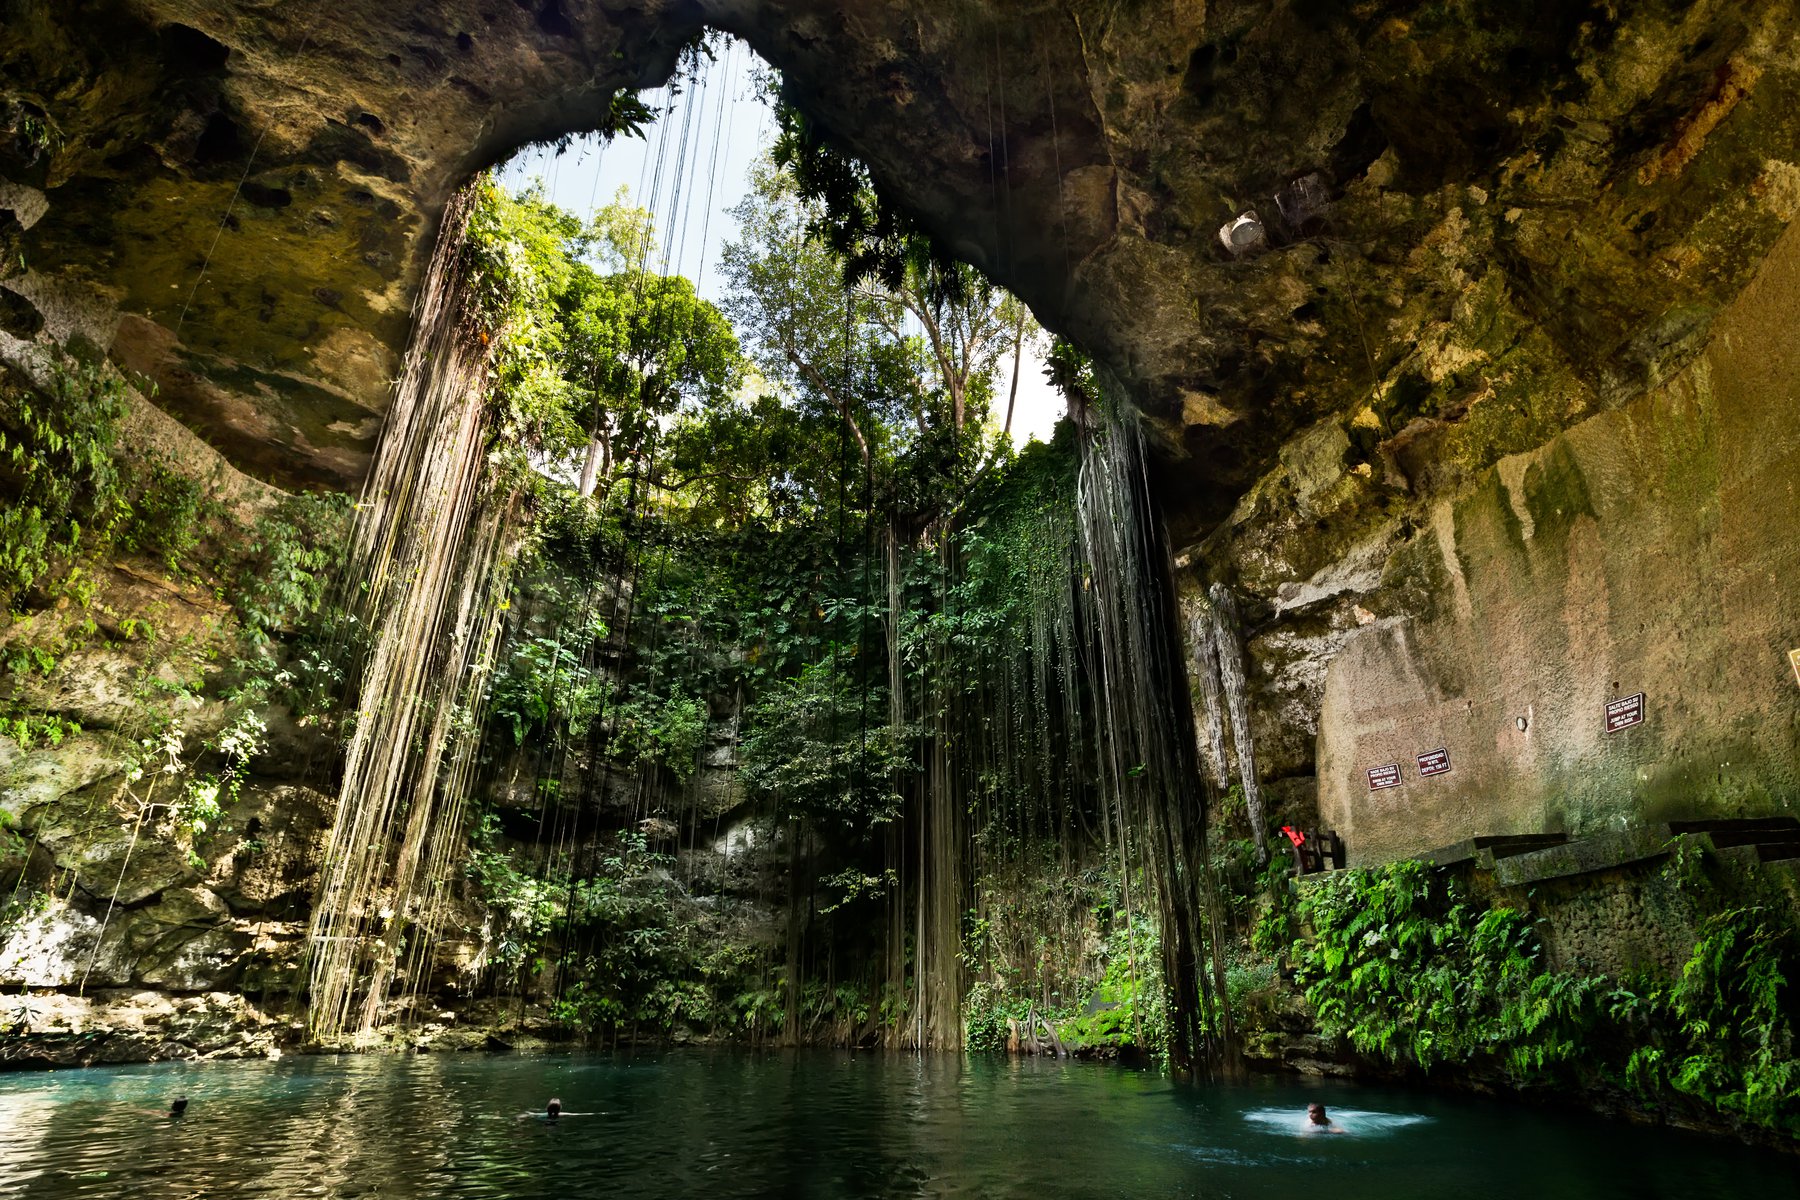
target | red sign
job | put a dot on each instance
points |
(1624, 713)
(1434, 762)
(1384, 777)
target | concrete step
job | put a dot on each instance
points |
(1748, 831)
(1485, 849)
(1599, 853)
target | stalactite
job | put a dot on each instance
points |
(427, 571)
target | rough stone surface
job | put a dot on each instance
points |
(49, 1030)
(1643, 550)
(1628, 924)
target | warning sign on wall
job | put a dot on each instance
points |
(1384, 777)
(1794, 658)
(1624, 713)
(1434, 762)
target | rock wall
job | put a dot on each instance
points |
(1647, 550)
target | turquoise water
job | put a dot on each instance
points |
(696, 1123)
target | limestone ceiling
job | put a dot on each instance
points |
(1512, 212)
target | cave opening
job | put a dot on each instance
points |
(943, 739)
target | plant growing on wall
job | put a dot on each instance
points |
(1406, 969)
(57, 470)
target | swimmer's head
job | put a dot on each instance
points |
(553, 1109)
(1315, 1112)
(178, 1106)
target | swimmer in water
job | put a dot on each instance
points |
(1318, 1122)
(553, 1111)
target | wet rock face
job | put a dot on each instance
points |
(117, 902)
(253, 186)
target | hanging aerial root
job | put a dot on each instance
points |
(428, 570)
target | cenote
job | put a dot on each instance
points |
(808, 1124)
(895, 597)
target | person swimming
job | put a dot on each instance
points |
(1317, 1120)
(553, 1111)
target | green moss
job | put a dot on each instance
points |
(1489, 533)
(1732, 778)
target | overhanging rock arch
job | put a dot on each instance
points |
(1084, 153)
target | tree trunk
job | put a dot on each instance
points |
(1012, 397)
(590, 469)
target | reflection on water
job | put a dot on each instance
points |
(807, 1125)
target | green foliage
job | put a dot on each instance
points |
(1410, 971)
(584, 357)
(872, 237)
(167, 515)
(1116, 1006)
(1128, 1010)
(1736, 1010)
(1407, 970)
(1277, 920)
(629, 952)
(813, 746)
(522, 908)
(734, 542)
(985, 1015)
(57, 471)
(905, 413)
(204, 799)
(546, 685)
(286, 567)
(666, 733)
(32, 731)
(1071, 372)
(1724, 1033)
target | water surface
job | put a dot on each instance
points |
(699, 1123)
